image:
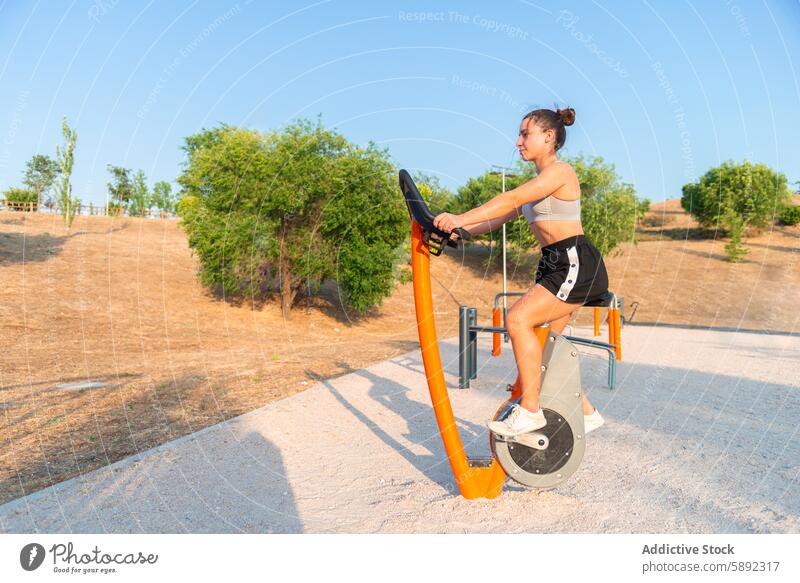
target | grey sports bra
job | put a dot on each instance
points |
(551, 208)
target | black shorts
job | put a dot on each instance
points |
(573, 270)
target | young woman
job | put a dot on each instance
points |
(570, 273)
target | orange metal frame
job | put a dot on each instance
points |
(473, 482)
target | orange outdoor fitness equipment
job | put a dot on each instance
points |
(543, 459)
(484, 478)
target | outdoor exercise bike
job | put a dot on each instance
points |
(543, 459)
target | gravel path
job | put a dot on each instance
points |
(701, 436)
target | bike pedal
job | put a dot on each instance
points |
(534, 440)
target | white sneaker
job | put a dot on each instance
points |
(519, 421)
(592, 422)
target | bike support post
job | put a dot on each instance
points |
(478, 479)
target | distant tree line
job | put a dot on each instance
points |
(47, 182)
(128, 192)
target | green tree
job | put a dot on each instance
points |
(40, 173)
(162, 197)
(736, 197)
(284, 211)
(610, 208)
(205, 138)
(140, 195)
(120, 189)
(66, 158)
(753, 192)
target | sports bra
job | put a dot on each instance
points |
(551, 208)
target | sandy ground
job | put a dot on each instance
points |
(701, 436)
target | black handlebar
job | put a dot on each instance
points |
(420, 212)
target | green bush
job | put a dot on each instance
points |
(790, 215)
(736, 197)
(282, 212)
(753, 192)
(15, 194)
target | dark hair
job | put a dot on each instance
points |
(547, 119)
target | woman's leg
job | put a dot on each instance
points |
(533, 309)
(558, 326)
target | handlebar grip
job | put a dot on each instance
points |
(463, 234)
(434, 237)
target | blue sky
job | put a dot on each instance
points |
(664, 90)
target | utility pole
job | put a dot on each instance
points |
(502, 171)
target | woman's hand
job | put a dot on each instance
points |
(447, 222)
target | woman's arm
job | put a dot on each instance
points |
(483, 227)
(502, 205)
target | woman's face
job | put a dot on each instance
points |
(533, 141)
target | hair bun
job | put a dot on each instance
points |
(567, 116)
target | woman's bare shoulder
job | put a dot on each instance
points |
(572, 185)
(564, 166)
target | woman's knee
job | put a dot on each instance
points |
(517, 322)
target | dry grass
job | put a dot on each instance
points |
(116, 300)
